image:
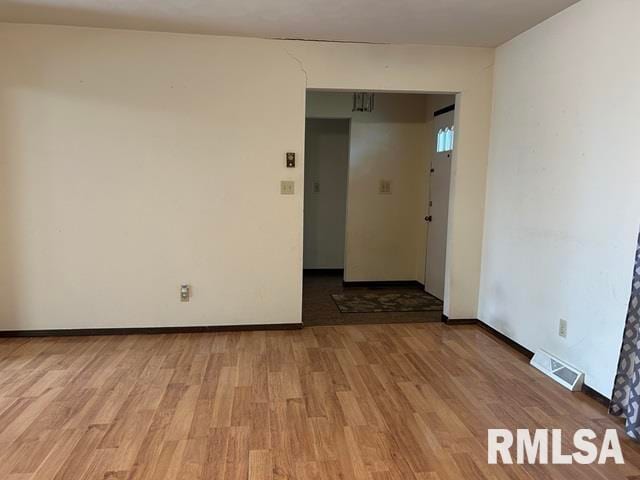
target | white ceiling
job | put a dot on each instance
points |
(486, 23)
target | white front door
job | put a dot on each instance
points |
(440, 177)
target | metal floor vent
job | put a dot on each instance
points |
(563, 373)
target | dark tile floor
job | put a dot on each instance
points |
(318, 308)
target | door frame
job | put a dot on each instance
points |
(458, 97)
(436, 114)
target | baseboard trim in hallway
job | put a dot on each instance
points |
(319, 272)
(383, 284)
(78, 332)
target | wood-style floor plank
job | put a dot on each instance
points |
(361, 402)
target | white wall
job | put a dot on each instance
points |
(133, 161)
(562, 209)
(383, 231)
(326, 161)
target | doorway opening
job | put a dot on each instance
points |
(439, 183)
(376, 193)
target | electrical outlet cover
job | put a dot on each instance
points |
(563, 327)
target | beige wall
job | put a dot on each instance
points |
(383, 231)
(132, 161)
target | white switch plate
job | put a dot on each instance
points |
(287, 187)
(185, 292)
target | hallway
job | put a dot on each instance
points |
(318, 308)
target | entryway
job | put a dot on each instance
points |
(374, 174)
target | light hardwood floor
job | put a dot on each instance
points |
(369, 402)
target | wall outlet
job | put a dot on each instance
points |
(316, 187)
(287, 187)
(562, 328)
(385, 187)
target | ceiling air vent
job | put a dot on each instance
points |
(560, 371)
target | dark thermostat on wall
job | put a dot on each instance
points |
(291, 160)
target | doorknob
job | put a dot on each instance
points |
(428, 218)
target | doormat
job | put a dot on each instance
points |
(372, 302)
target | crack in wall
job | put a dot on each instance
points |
(299, 62)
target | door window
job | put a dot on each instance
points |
(445, 140)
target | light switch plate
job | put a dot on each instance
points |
(287, 187)
(185, 292)
(385, 187)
